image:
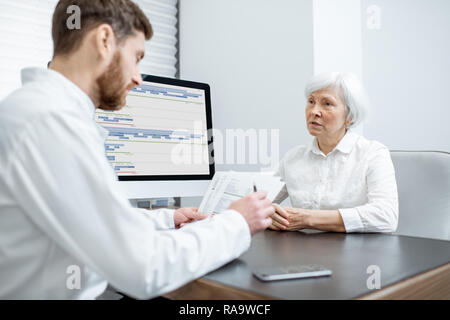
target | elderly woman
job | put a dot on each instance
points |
(342, 182)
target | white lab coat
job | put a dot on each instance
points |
(61, 208)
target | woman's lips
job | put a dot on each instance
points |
(315, 124)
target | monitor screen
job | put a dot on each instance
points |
(162, 131)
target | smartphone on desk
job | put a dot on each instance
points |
(291, 272)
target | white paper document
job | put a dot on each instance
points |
(227, 187)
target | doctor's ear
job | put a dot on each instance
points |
(105, 41)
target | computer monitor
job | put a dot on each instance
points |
(160, 143)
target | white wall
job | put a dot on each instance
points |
(406, 66)
(257, 56)
(252, 51)
(337, 38)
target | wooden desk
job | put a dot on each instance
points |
(411, 268)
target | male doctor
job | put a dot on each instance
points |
(61, 208)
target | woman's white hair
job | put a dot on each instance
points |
(349, 87)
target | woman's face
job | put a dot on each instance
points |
(326, 114)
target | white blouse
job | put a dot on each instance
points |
(357, 178)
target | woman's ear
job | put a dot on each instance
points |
(348, 122)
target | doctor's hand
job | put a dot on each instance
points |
(184, 216)
(256, 210)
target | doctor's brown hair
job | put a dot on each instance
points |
(124, 17)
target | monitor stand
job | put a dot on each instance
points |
(147, 203)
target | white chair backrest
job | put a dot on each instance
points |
(423, 180)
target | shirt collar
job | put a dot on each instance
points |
(314, 148)
(345, 145)
(71, 89)
(103, 132)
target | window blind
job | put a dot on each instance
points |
(25, 38)
(161, 51)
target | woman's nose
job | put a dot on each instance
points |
(315, 110)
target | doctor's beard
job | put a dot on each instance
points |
(112, 86)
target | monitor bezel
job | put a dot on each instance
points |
(188, 84)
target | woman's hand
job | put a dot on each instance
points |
(279, 218)
(288, 219)
(183, 216)
(297, 218)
